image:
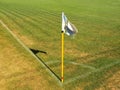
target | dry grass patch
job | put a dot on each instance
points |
(114, 81)
(18, 69)
(26, 40)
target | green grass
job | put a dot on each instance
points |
(38, 24)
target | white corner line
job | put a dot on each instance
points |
(89, 73)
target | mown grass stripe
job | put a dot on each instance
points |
(40, 17)
(32, 22)
(37, 18)
(12, 16)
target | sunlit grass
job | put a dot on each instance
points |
(38, 25)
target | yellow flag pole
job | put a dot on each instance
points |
(62, 57)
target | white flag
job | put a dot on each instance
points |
(67, 27)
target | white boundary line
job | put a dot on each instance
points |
(52, 62)
(71, 62)
(83, 65)
(27, 49)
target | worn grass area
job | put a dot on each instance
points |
(18, 69)
(92, 58)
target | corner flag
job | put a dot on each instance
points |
(67, 27)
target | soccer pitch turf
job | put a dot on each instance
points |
(92, 58)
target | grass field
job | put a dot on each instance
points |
(92, 58)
